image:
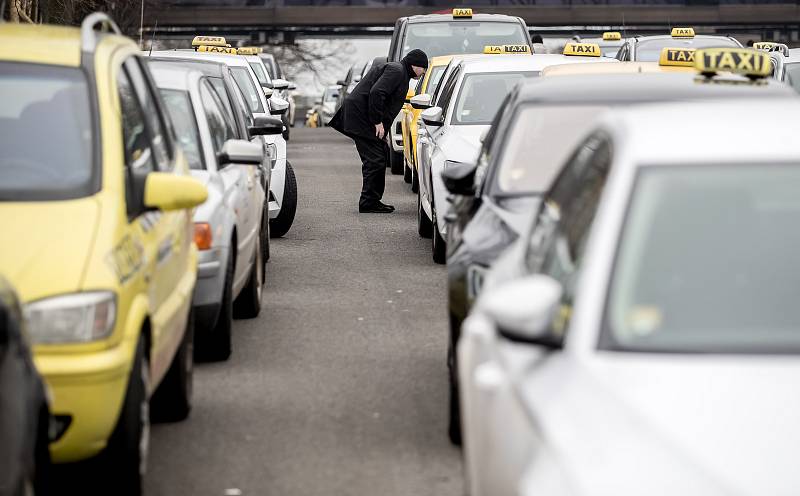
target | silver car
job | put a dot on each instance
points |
(229, 226)
(650, 343)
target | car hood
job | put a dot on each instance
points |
(463, 143)
(631, 424)
(48, 245)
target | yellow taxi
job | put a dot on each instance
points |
(96, 219)
(409, 116)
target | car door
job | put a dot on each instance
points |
(428, 140)
(241, 186)
(165, 236)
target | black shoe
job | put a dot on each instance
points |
(385, 205)
(378, 208)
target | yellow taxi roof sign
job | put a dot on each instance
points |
(582, 49)
(771, 46)
(209, 41)
(683, 32)
(612, 36)
(681, 57)
(248, 50)
(216, 49)
(744, 61)
(462, 13)
(506, 49)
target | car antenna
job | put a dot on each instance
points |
(153, 39)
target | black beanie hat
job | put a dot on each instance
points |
(416, 57)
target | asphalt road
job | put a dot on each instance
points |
(339, 386)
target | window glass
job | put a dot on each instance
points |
(793, 76)
(222, 92)
(45, 133)
(261, 75)
(447, 90)
(435, 79)
(331, 94)
(460, 37)
(138, 149)
(649, 50)
(179, 107)
(220, 128)
(539, 142)
(707, 262)
(248, 87)
(481, 95)
(152, 114)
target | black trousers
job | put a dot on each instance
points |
(374, 155)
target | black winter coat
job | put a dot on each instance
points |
(377, 98)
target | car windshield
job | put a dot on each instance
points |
(649, 50)
(261, 75)
(248, 87)
(180, 111)
(539, 142)
(793, 76)
(707, 262)
(481, 95)
(45, 133)
(459, 37)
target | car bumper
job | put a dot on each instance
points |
(88, 389)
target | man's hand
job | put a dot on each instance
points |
(379, 132)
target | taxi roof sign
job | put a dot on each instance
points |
(209, 41)
(771, 46)
(216, 49)
(612, 36)
(680, 57)
(744, 61)
(683, 32)
(248, 50)
(462, 13)
(582, 49)
(506, 49)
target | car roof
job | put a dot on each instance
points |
(670, 37)
(501, 63)
(710, 127)
(441, 60)
(207, 67)
(227, 59)
(174, 76)
(645, 87)
(626, 67)
(449, 17)
(46, 44)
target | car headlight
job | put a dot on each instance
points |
(73, 318)
(475, 277)
(272, 152)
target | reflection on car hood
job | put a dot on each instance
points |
(632, 424)
(496, 225)
(463, 143)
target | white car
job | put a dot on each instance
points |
(327, 104)
(467, 99)
(283, 185)
(650, 345)
(229, 226)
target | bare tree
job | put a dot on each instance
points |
(317, 57)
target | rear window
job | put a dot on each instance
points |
(46, 133)
(180, 110)
(248, 88)
(460, 37)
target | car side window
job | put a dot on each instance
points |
(447, 92)
(152, 114)
(138, 150)
(221, 129)
(219, 88)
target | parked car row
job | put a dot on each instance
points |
(131, 239)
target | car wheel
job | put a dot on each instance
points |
(265, 235)
(414, 180)
(454, 415)
(281, 224)
(172, 401)
(215, 344)
(396, 161)
(424, 227)
(125, 456)
(438, 244)
(407, 175)
(248, 304)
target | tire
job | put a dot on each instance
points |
(281, 224)
(265, 235)
(215, 344)
(286, 132)
(248, 304)
(424, 227)
(172, 401)
(438, 244)
(396, 161)
(454, 414)
(407, 175)
(414, 180)
(125, 457)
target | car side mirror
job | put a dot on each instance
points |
(421, 102)
(459, 177)
(356, 79)
(278, 106)
(263, 126)
(409, 95)
(525, 309)
(341, 82)
(292, 86)
(280, 84)
(433, 116)
(167, 191)
(243, 152)
(268, 91)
